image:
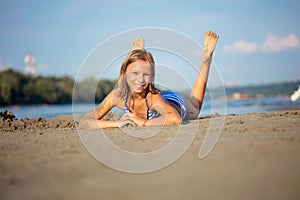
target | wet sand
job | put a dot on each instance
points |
(256, 157)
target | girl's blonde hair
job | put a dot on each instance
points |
(135, 55)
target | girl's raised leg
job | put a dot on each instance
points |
(197, 94)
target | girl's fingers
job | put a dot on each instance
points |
(128, 122)
(126, 116)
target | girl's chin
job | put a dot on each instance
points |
(139, 90)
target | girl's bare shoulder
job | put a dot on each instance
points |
(156, 98)
(115, 98)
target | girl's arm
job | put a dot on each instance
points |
(92, 120)
(168, 114)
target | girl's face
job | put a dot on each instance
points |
(138, 76)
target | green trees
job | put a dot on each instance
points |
(16, 88)
(10, 84)
(85, 90)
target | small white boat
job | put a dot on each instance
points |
(295, 95)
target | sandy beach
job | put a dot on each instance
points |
(256, 157)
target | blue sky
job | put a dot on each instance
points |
(259, 40)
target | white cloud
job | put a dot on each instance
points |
(274, 43)
(241, 46)
(271, 44)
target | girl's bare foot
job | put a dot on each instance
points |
(138, 43)
(210, 41)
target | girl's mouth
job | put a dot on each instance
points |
(139, 87)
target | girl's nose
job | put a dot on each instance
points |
(141, 79)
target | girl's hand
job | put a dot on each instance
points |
(132, 118)
(126, 122)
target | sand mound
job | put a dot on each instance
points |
(9, 122)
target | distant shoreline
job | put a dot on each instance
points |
(27, 90)
(210, 106)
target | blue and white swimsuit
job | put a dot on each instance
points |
(176, 98)
(169, 96)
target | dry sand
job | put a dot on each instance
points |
(256, 157)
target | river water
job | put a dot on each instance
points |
(209, 107)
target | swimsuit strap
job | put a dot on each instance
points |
(126, 108)
(150, 114)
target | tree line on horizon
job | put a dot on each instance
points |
(19, 89)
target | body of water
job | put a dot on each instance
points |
(209, 107)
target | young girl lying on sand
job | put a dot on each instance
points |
(145, 105)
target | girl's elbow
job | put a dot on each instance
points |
(175, 120)
(178, 121)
